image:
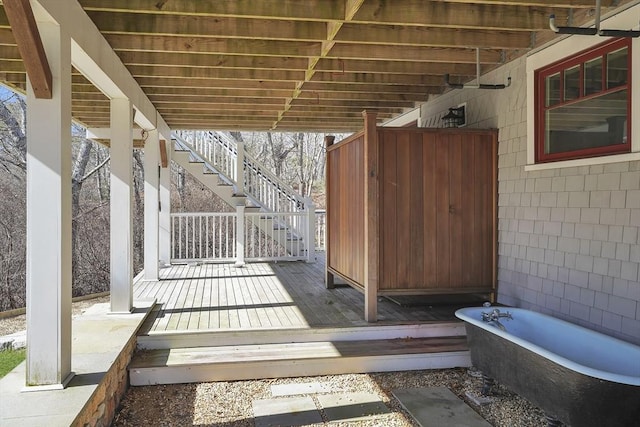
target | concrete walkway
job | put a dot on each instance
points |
(99, 338)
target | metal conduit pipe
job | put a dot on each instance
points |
(592, 31)
(476, 85)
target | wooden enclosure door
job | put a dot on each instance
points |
(438, 217)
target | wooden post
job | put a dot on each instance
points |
(48, 233)
(371, 229)
(328, 276)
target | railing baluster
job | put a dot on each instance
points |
(180, 238)
(200, 236)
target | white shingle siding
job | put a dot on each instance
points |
(568, 238)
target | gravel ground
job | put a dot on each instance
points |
(230, 403)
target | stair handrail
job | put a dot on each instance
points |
(229, 151)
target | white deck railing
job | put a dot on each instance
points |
(321, 230)
(217, 236)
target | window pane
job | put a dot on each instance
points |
(593, 76)
(590, 123)
(617, 68)
(572, 83)
(552, 85)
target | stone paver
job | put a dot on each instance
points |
(351, 406)
(438, 407)
(288, 411)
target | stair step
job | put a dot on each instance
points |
(165, 340)
(256, 361)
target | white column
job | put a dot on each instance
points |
(49, 220)
(311, 230)
(121, 206)
(239, 235)
(240, 169)
(165, 208)
(151, 198)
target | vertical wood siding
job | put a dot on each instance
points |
(437, 210)
(345, 195)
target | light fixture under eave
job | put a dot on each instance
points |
(455, 117)
(596, 31)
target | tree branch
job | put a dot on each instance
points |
(96, 169)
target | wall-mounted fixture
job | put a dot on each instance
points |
(476, 85)
(595, 31)
(455, 117)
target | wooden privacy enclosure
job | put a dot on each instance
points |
(412, 211)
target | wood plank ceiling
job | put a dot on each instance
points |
(310, 65)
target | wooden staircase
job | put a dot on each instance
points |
(224, 188)
(185, 357)
(209, 179)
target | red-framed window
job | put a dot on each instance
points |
(583, 104)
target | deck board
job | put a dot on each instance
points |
(264, 295)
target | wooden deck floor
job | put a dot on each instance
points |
(265, 296)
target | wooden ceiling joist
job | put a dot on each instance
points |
(272, 64)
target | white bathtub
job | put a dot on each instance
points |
(576, 375)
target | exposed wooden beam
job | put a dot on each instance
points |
(213, 73)
(432, 36)
(207, 26)
(458, 15)
(198, 92)
(359, 103)
(194, 100)
(291, 10)
(219, 106)
(253, 62)
(10, 52)
(163, 43)
(369, 88)
(212, 83)
(281, 9)
(387, 79)
(275, 64)
(195, 93)
(27, 36)
(394, 67)
(216, 101)
(414, 53)
(333, 27)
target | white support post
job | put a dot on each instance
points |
(240, 238)
(311, 230)
(165, 209)
(151, 199)
(121, 206)
(240, 169)
(49, 251)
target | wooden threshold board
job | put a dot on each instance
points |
(182, 365)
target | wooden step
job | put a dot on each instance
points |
(205, 338)
(257, 361)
